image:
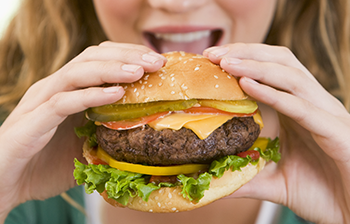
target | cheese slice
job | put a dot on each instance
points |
(201, 124)
(203, 128)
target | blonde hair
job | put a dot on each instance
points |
(47, 34)
(42, 37)
(317, 32)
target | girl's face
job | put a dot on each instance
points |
(186, 25)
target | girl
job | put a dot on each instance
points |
(292, 56)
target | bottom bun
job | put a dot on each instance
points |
(170, 199)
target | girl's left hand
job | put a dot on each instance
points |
(313, 176)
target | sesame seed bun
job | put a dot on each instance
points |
(185, 76)
(170, 199)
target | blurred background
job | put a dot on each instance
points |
(7, 9)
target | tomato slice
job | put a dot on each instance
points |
(133, 123)
(211, 110)
(253, 154)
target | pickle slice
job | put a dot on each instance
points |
(118, 112)
(235, 106)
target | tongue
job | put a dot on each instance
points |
(196, 47)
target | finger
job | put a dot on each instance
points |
(94, 73)
(266, 185)
(126, 53)
(95, 66)
(50, 114)
(327, 129)
(288, 79)
(257, 52)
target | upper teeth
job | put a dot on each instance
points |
(183, 37)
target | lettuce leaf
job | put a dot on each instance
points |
(121, 185)
(218, 167)
(193, 189)
(89, 131)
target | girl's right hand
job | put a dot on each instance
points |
(37, 139)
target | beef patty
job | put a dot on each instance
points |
(145, 145)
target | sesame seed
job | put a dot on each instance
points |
(160, 84)
(172, 75)
(160, 75)
(223, 70)
(140, 81)
(215, 76)
(159, 204)
(216, 86)
(146, 77)
(172, 92)
(163, 78)
(170, 195)
(174, 209)
(180, 58)
(147, 99)
(156, 197)
(185, 62)
(160, 191)
(145, 82)
(229, 77)
(172, 84)
(198, 65)
(125, 87)
(143, 87)
(172, 79)
(135, 90)
(150, 210)
(150, 85)
(191, 59)
(196, 69)
(137, 94)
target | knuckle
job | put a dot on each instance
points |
(286, 51)
(89, 52)
(105, 43)
(55, 103)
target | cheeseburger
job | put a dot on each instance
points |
(180, 138)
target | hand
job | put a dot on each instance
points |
(37, 140)
(313, 176)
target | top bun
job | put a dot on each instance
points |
(185, 76)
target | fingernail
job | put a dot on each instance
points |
(219, 51)
(152, 57)
(233, 61)
(112, 89)
(130, 68)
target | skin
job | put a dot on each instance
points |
(312, 178)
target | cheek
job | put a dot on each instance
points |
(117, 17)
(251, 19)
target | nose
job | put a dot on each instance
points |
(177, 6)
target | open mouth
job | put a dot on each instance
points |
(193, 42)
